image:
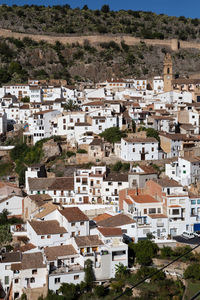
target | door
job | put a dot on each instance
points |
(142, 156)
(173, 231)
(158, 233)
(85, 199)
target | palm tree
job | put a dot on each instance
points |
(71, 106)
(121, 271)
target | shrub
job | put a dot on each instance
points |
(81, 151)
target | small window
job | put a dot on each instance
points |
(34, 271)
(42, 237)
(16, 280)
(72, 260)
(82, 223)
(6, 279)
(57, 280)
(61, 235)
(73, 224)
(133, 149)
(32, 280)
(48, 236)
(76, 277)
(73, 234)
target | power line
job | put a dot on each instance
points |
(195, 296)
(156, 272)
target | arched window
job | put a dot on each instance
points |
(168, 70)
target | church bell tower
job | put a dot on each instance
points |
(167, 73)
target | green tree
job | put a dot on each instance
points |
(89, 273)
(144, 251)
(5, 235)
(113, 134)
(105, 8)
(166, 252)
(121, 271)
(70, 291)
(99, 291)
(25, 99)
(71, 106)
(133, 126)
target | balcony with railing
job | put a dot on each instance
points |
(65, 269)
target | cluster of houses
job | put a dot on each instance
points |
(90, 213)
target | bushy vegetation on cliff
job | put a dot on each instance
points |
(64, 20)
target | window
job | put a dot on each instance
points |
(6, 203)
(73, 234)
(193, 202)
(64, 127)
(6, 279)
(54, 192)
(48, 236)
(82, 223)
(198, 201)
(133, 149)
(57, 280)
(145, 211)
(34, 271)
(107, 190)
(152, 210)
(73, 224)
(61, 235)
(16, 280)
(42, 237)
(8, 267)
(159, 210)
(184, 172)
(76, 277)
(72, 260)
(152, 149)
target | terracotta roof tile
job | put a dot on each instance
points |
(73, 214)
(116, 221)
(102, 217)
(110, 231)
(90, 241)
(32, 261)
(47, 227)
(144, 199)
(53, 253)
(158, 216)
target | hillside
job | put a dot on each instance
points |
(20, 59)
(81, 44)
(64, 20)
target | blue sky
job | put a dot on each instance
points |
(171, 7)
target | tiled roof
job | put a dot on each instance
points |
(102, 217)
(43, 112)
(117, 177)
(25, 248)
(144, 199)
(94, 103)
(47, 208)
(82, 124)
(116, 221)
(10, 257)
(178, 136)
(73, 214)
(140, 140)
(40, 199)
(53, 253)
(157, 216)
(164, 182)
(110, 231)
(47, 227)
(57, 183)
(90, 241)
(128, 201)
(32, 260)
